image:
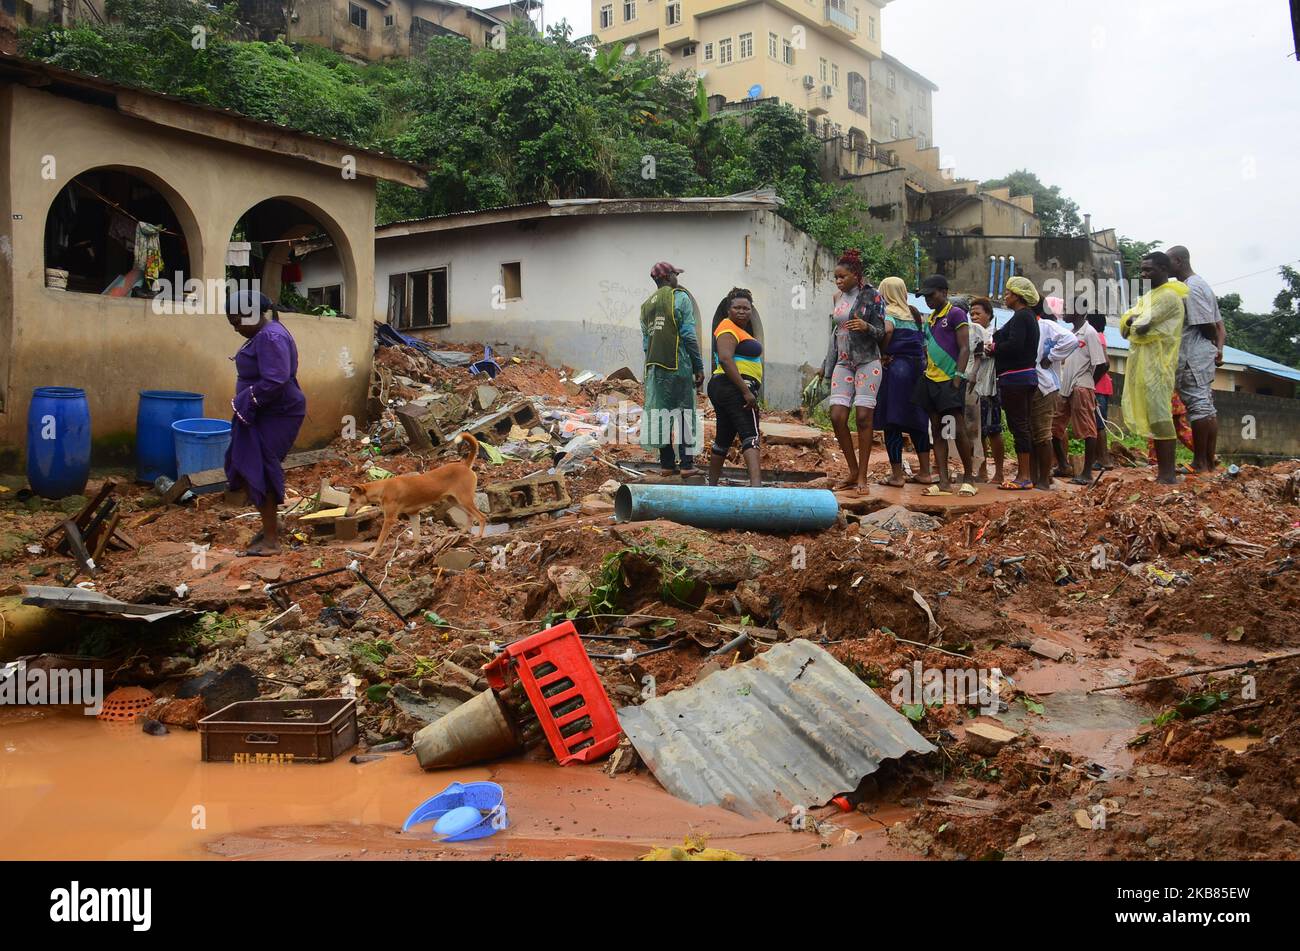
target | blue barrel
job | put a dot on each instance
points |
(58, 441)
(721, 508)
(200, 444)
(155, 446)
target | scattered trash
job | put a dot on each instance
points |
(126, 705)
(293, 731)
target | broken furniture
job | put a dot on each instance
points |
(791, 727)
(722, 508)
(279, 731)
(87, 535)
(531, 496)
(336, 521)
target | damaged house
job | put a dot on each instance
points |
(123, 215)
(567, 278)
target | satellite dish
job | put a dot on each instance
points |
(754, 91)
(629, 50)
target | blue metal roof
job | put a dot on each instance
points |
(1231, 355)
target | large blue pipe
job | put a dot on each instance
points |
(993, 272)
(719, 507)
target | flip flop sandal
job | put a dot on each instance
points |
(1016, 486)
(258, 554)
(967, 490)
(934, 490)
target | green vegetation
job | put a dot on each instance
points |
(545, 117)
(1275, 335)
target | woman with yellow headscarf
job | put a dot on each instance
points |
(903, 358)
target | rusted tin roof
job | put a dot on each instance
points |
(792, 726)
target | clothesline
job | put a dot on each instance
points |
(119, 208)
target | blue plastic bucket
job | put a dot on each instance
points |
(58, 441)
(200, 444)
(155, 445)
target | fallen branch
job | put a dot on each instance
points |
(1257, 662)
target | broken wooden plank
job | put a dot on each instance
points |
(109, 528)
(78, 546)
(83, 516)
(124, 541)
(297, 459)
(177, 489)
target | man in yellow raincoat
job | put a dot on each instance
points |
(1153, 327)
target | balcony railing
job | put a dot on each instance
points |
(837, 17)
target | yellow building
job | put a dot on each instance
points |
(815, 55)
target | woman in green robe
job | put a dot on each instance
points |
(674, 371)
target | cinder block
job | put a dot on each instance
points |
(530, 496)
(496, 426)
(423, 433)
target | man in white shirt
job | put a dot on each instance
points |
(1199, 352)
(1055, 343)
(1085, 365)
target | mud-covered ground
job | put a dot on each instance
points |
(1132, 579)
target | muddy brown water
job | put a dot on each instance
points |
(77, 788)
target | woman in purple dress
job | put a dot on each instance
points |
(903, 356)
(269, 408)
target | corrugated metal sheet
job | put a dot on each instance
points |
(793, 726)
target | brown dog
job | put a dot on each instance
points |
(411, 494)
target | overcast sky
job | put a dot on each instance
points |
(1176, 120)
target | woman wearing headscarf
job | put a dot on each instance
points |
(903, 357)
(269, 408)
(733, 388)
(852, 363)
(1015, 355)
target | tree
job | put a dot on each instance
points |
(1058, 215)
(1131, 252)
(1275, 335)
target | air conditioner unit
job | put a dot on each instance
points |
(809, 82)
(828, 91)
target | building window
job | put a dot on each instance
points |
(892, 82)
(388, 20)
(835, 75)
(724, 51)
(629, 10)
(330, 296)
(922, 142)
(871, 27)
(746, 45)
(824, 67)
(787, 52)
(607, 16)
(708, 52)
(857, 93)
(771, 45)
(893, 128)
(688, 50)
(673, 12)
(512, 280)
(418, 299)
(357, 16)
(923, 98)
(655, 55)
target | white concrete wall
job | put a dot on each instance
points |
(585, 277)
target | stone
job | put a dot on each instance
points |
(899, 520)
(1050, 649)
(457, 559)
(171, 666)
(485, 396)
(421, 708)
(596, 504)
(325, 648)
(609, 487)
(256, 641)
(984, 739)
(183, 713)
(624, 759)
(571, 583)
(789, 434)
(220, 689)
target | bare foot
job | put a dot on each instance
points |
(847, 482)
(896, 483)
(864, 488)
(262, 549)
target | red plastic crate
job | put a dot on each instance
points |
(563, 689)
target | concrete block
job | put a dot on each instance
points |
(423, 434)
(497, 426)
(530, 496)
(984, 739)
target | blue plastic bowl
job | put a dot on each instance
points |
(455, 803)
